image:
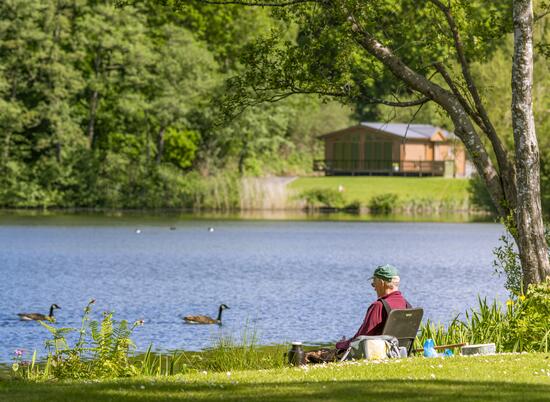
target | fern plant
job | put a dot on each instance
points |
(101, 350)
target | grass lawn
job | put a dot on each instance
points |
(509, 377)
(408, 189)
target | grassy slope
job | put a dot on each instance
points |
(524, 377)
(407, 188)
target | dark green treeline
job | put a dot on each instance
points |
(105, 107)
(112, 108)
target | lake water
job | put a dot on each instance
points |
(289, 280)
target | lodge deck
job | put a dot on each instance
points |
(379, 167)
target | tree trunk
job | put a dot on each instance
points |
(160, 145)
(530, 228)
(94, 100)
(6, 150)
(242, 158)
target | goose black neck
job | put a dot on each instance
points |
(51, 311)
(220, 314)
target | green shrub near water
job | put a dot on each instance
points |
(228, 353)
(383, 203)
(323, 198)
(522, 325)
(101, 351)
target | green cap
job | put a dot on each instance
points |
(385, 272)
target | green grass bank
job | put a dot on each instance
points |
(412, 192)
(504, 377)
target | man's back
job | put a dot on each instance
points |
(376, 316)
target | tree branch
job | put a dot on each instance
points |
(541, 15)
(452, 86)
(507, 170)
(259, 3)
(463, 125)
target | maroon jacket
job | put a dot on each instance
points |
(374, 321)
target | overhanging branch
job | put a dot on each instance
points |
(258, 3)
(506, 169)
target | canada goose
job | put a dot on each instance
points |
(38, 316)
(204, 319)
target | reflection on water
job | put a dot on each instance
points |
(21, 217)
(290, 280)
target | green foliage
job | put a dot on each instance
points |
(488, 324)
(521, 326)
(101, 351)
(158, 364)
(111, 108)
(322, 198)
(479, 196)
(383, 203)
(507, 263)
(230, 353)
(327, 57)
(181, 147)
(529, 326)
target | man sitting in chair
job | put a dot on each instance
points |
(385, 282)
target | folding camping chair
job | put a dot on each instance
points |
(404, 324)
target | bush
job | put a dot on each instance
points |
(530, 326)
(383, 203)
(355, 205)
(323, 197)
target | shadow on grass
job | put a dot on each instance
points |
(415, 390)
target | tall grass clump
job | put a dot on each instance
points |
(159, 364)
(521, 325)
(231, 353)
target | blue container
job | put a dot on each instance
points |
(429, 348)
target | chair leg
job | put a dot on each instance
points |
(346, 354)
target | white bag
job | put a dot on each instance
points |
(379, 347)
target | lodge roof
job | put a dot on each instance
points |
(410, 131)
(421, 131)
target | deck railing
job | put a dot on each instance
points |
(386, 167)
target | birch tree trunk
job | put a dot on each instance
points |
(530, 237)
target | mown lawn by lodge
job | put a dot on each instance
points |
(363, 188)
(506, 377)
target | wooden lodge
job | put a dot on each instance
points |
(372, 148)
